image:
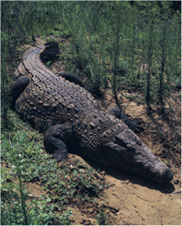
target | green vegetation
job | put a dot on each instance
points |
(101, 217)
(124, 46)
(135, 44)
(24, 162)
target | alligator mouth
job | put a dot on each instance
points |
(146, 166)
(130, 154)
(141, 159)
(163, 174)
(153, 170)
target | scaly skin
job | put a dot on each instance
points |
(70, 116)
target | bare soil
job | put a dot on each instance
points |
(132, 200)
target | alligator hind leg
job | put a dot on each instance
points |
(74, 79)
(54, 141)
(18, 87)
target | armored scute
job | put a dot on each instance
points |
(69, 116)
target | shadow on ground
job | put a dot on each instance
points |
(122, 175)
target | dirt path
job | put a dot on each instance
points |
(143, 203)
(132, 200)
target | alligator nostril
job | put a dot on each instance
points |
(167, 175)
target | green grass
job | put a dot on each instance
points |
(23, 161)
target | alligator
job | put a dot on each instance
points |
(70, 116)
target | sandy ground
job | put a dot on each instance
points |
(129, 200)
(133, 200)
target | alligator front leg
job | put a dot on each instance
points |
(119, 113)
(18, 87)
(55, 139)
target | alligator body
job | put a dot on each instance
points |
(69, 116)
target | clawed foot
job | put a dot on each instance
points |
(136, 128)
(60, 155)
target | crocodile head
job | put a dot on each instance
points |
(127, 152)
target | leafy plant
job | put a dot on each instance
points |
(101, 217)
(25, 162)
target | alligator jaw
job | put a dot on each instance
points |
(132, 155)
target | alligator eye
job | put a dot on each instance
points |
(99, 129)
(116, 147)
(120, 139)
(92, 125)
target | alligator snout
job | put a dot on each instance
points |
(133, 156)
(164, 174)
(167, 175)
